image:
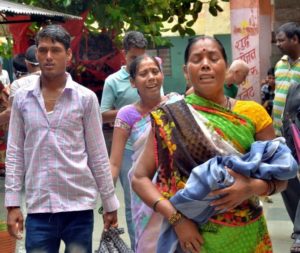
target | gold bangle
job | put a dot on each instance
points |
(265, 193)
(175, 218)
(156, 202)
(272, 188)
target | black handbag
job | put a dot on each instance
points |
(111, 242)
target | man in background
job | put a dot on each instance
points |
(287, 72)
(33, 68)
(4, 77)
(235, 76)
(19, 66)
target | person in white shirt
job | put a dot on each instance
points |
(33, 72)
(4, 77)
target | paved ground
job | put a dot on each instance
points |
(278, 222)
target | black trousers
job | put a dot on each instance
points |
(291, 199)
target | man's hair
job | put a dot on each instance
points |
(30, 55)
(19, 65)
(239, 65)
(56, 33)
(134, 39)
(271, 72)
(290, 29)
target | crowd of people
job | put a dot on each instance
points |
(192, 166)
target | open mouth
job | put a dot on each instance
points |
(206, 77)
(152, 86)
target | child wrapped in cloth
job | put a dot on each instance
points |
(266, 160)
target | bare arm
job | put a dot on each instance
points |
(4, 116)
(120, 137)
(145, 169)
(268, 133)
(109, 116)
(144, 172)
(245, 187)
(265, 134)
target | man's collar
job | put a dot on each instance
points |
(123, 73)
(36, 88)
(287, 58)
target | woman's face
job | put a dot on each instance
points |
(148, 79)
(206, 68)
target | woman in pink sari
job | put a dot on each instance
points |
(133, 122)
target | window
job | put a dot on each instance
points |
(164, 54)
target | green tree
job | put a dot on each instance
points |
(147, 16)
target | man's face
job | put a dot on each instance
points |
(283, 43)
(52, 57)
(133, 53)
(240, 76)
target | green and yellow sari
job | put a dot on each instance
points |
(188, 133)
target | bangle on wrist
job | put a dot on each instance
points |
(175, 218)
(272, 187)
(156, 202)
(266, 192)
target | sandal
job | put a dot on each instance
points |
(296, 246)
(268, 199)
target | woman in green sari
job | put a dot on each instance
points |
(189, 132)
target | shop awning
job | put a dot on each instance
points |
(35, 14)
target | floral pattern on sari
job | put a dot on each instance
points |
(177, 153)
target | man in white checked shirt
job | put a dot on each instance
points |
(56, 147)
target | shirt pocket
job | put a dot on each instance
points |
(34, 118)
(71, 121)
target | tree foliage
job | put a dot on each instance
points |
(147, 16)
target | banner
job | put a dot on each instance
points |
(245, 46)
(247, 20)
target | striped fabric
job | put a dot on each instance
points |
(61, 156)
(285, 74)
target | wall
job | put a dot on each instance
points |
(176, 82)
(208, 24)
(205, 25)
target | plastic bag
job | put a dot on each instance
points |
(111, 242)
